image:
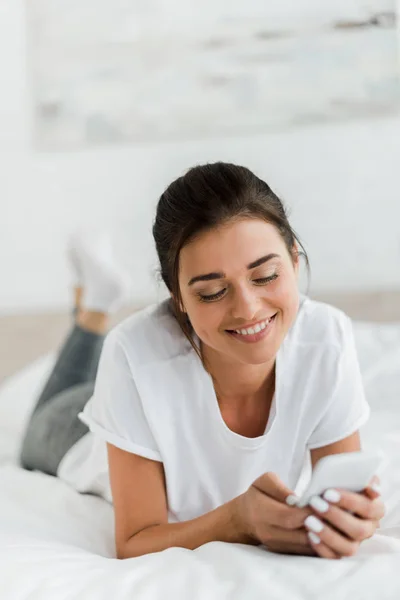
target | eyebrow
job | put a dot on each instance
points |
(253, 265)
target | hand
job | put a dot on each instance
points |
(265, 517)
(344, 520)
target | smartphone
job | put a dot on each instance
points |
(350, 471)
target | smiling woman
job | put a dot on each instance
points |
(248, 293)
(206, 405)
(222, 212)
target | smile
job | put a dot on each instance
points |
(254, 334)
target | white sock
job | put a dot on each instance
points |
(107, 286)
(74, 264)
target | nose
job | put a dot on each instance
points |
(246, 305)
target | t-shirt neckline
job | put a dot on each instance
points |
(218, 422)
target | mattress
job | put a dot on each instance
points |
(58, 544)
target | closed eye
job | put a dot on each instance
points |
(212, 297)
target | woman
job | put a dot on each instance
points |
(206, 405)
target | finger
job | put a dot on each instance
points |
(294, 549)
(289, 542)
(299, 537)
(371, 493)
(357, 503)
(373, 489)
(331, 538)
(320, 548)
(285, 517)
(374, 481)
(274, 490)
(272, 486)
(351, 525)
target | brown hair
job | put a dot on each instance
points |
(208, 196)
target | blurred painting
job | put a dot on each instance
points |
(127, 71)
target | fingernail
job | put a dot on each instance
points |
(318, 504)
(377, 488)
(331, 495)
(292, 500)
(314, 537)
(314, 524)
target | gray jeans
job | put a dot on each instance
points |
(54, 426)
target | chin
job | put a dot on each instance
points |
(256, 356)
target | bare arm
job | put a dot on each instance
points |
(141, 513)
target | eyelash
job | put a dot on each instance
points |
(264, 280)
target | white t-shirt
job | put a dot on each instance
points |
(154, 398)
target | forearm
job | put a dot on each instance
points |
(219, 525)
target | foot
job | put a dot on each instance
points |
(106, 285)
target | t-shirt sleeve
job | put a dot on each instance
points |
(115, 411)
(347, 408)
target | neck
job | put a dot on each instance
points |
(239, 382)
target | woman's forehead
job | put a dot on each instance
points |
(231, 247)
(243, 237)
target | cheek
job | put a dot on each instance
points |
(204, 320)
(290, 308)
(208, 323)
(287, 298)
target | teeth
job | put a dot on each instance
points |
(252, 330)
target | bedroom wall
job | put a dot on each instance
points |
(341, 183)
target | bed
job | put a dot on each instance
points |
(56, 544)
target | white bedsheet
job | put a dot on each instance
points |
(57, 544)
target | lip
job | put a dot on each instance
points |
(255, 337)
(253, 324)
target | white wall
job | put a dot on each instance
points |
(341, 182)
